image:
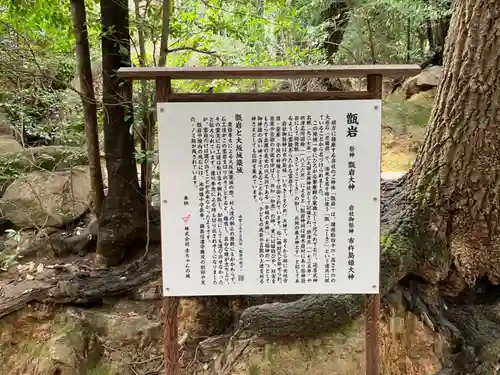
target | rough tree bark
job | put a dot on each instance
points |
(440, 224)
(88, 100)
(336, 16)
(122, 224)
(436, 36)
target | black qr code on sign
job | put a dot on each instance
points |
(241, 277)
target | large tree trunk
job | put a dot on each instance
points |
(440, 224)
(122, 224)
(455, 179)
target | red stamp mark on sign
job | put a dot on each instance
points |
(185, 219)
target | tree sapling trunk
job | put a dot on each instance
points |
(122, 224)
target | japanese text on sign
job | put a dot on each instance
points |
(270, 197)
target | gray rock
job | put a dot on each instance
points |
(43, 198)
(75, 349)
(428, 78)
(9, 144)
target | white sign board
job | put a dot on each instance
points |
(270, 197)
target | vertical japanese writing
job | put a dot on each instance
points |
(330, 197)
(333, 195)
(200, 154)
(325, 191)
(203, 266)
(228, 220)
(351, 167)
(352, 124)
(195, 150)
(270, 197)
(316, 175)
(213, 152)
(276, 200)
(203, 195)
(352, 132)
(273, 213)
(265, 183)
(241, 276)
(187, 251)
(306, 187)
(282, 222)
(216, 185)
(294, 183)
(239, 144)
(270, 177)
(300, 217)
(230, 195)
(255, 178)
(258, 148)
(295, 158)
(351, 246)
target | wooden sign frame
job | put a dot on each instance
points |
(163, 77)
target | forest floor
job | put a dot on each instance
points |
(124, 336)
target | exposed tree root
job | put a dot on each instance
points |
(470, 323)
(74, 284)
(63, 244)
(315, 314)
(76, 244)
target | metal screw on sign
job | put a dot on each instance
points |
(376, 107)
(162, 109)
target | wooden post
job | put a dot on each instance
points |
(372, 301)
(170, 304)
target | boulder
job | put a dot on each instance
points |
(74, 349)
(127, 324)
(430, 76)
(29, 159)
(41, 341)
(43, 198)
(8, 144)
(43, 157)
(427, 80)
